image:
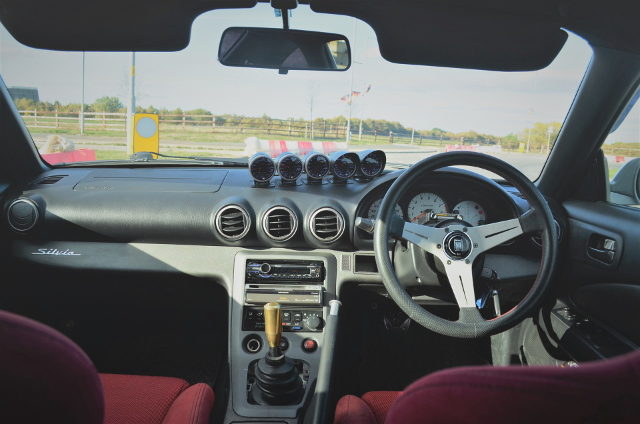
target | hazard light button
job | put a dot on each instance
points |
(309, 345)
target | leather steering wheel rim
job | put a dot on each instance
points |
(470, 324)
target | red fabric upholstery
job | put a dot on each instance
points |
(44, 376)
(371, 409)
(598, 392)
(193, 406)
(155, 400)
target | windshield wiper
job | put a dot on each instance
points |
(214, 161)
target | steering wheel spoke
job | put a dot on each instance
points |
(460, 275)
(491, 235)
(427, 238)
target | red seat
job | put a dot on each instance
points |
(598, 392)
(46, 378)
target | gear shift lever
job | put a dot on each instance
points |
(273, 329)
(277, 379)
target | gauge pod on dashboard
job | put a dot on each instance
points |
(372, 163)
(289, 167)
(316, 166)
(344, 165)
(262, 168)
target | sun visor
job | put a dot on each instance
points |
(421, 33)
(116, 25)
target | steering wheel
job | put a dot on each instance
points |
(458, 245)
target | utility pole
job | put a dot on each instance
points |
(311, 113)
(529, 140)
(549, 130)
(413, 134)
(355, 36)
(82, 101)
(131, 108)
(360, 129)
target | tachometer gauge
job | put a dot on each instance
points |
(422, 205)
(373, 210)
(471, 212)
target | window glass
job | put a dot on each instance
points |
(622, 151)
(76, 105)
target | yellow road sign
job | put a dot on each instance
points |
(146, 133)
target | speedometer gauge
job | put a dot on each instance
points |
(471, 212)
(422, 205)
(373, 209)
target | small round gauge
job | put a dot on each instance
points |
(261, 167)
(373, 209)
(316, 165)
(471, 212)
(372, 163)
(344, 164)
(289, 166)
(422, 205)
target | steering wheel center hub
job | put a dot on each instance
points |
(457, 245)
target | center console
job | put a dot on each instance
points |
(301, 287)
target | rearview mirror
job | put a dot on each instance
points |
(284, 49)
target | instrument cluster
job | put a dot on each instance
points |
(426, 206)
(338, 167)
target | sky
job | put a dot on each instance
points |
(419, 97)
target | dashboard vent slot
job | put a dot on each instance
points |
(327, 224)
(51, 179)
(233, 222)
(280, 223)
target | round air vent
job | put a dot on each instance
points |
(327, 224)
(280, 223)
(22, 215)
(233, 222)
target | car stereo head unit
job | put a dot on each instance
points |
(266, 271)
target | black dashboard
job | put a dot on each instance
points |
(223, 206)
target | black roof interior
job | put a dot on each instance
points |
(495, 34)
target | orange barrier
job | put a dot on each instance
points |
(276, 147)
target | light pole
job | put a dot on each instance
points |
(131, 109)
(82, 102)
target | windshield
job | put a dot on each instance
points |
(188, 104)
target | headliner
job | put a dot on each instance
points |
(495, 34)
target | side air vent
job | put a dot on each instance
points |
(50, 179)
(233, 222)
(327, 224)
(280, 223)
(22, 215)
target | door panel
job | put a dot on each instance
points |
(601, 286)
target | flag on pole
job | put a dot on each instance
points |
(355, 93)
(368, 89)
(344, 98)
